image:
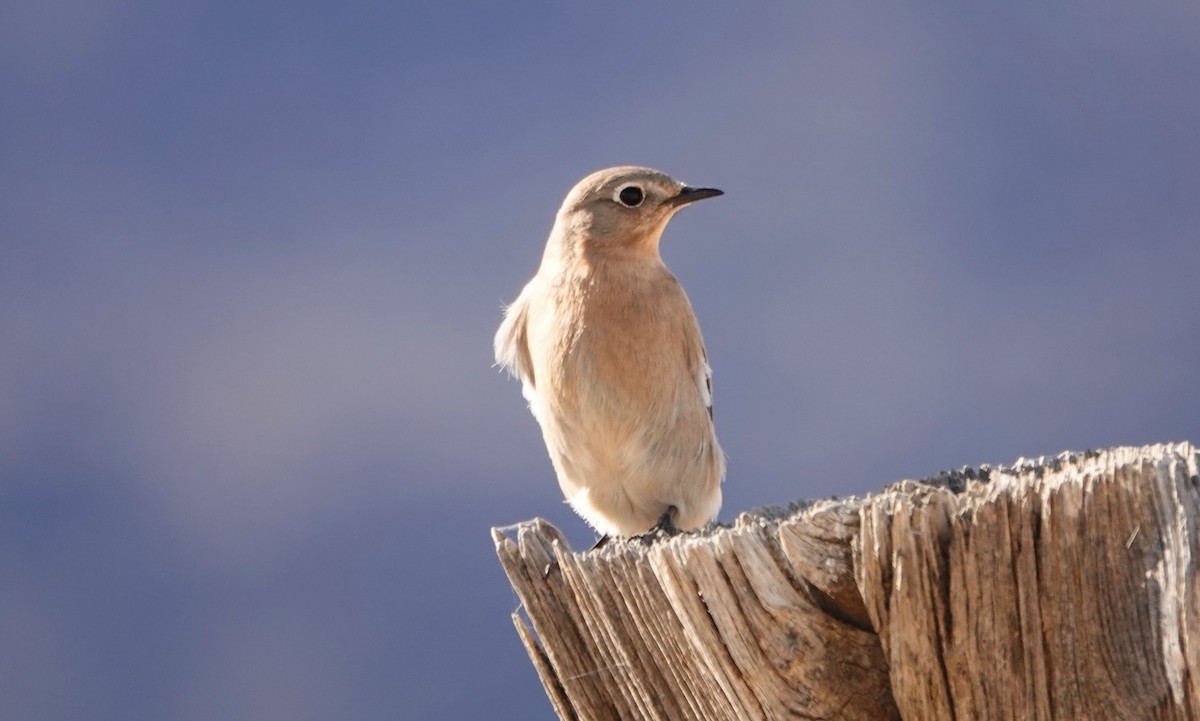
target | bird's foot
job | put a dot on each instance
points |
(666, 522)
(664, 528)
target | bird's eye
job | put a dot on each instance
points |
(631, 196)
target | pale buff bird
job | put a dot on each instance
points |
(607, 347)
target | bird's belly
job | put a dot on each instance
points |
(625, 423)
(620, 468)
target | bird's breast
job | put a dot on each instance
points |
(619, 354)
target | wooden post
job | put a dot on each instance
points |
(1055, 588)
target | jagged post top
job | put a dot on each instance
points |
(956, 481)
(1052, 587)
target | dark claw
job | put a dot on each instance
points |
(602, 542)
(664, 527)
(666, 522)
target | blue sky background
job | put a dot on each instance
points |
(252, 256)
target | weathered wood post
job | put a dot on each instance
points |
(1056, 588)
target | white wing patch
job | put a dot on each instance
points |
(530, 395)
(706, 385)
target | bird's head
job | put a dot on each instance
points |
(622, 210)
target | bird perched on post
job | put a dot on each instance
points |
(610, 355)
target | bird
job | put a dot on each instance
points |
(612, 363)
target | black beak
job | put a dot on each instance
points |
(691, 195)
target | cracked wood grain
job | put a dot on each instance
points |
(1054, 588)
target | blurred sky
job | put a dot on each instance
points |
(252, 256)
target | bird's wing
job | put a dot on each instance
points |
(511, 344)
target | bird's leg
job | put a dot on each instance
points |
(664, 527)
(666, 522)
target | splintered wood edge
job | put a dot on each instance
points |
(837, 550)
